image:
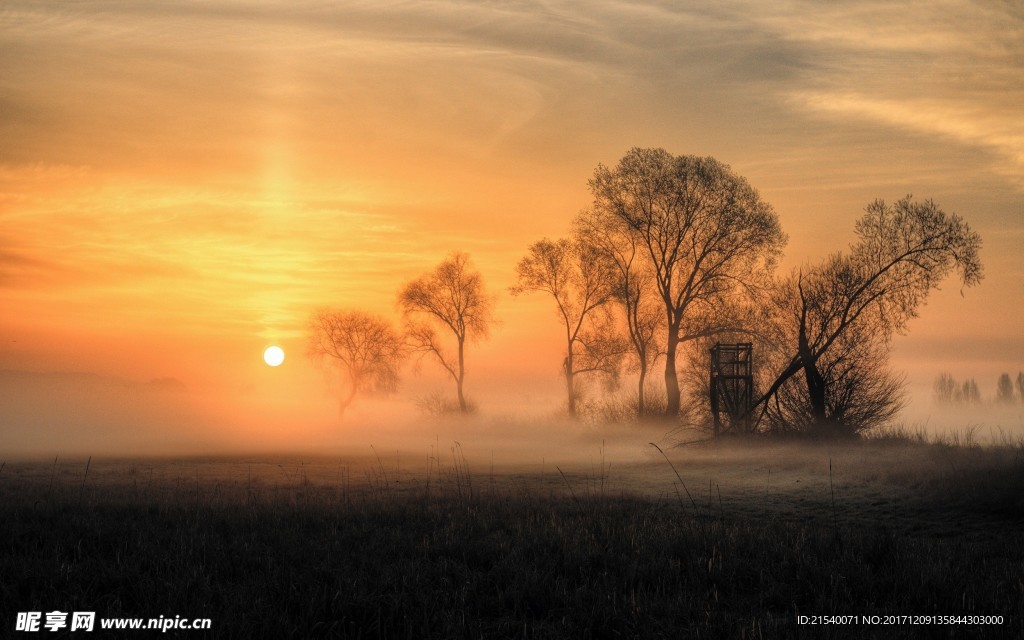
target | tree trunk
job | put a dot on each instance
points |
(462, 376)
(641, 405)
(346, 400)
(815, 383)
(570, 384)
(816, 393)
(671, 377)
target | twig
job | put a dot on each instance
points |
(84, 476)
(53, 471)
(380, 464)
(835, 519)
(571, 492)
(695, 510)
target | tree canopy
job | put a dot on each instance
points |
(580, 279)
(707, 234)
(452, 297)
(364, 347)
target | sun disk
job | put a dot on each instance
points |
(273, 356)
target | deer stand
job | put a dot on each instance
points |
(732, 386)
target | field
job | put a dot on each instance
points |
(729, 541)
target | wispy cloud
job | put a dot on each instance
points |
(957, 121)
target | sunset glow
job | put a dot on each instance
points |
(181, 184)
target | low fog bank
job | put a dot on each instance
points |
(500, 440)
(71, 413)
(43, 414)
(989, 421)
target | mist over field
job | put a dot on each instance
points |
(80, 414)
(46, 414)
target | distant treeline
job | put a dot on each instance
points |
(948, 390)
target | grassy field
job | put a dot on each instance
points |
(730, 541)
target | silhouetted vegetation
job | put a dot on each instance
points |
(453, 298)
(857, 387)
(634, 291)
(364, 348)
(948, 390)
(581, 280)
(313, 550)
(856, 301)
(705, 232)
(1004, 389)
(680, 250)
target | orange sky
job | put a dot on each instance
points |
(181, 184)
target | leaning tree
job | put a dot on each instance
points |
(903, 251)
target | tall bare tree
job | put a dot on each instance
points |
(705, 231)
(451, 298)
(902, 252)
(366, 349)
(581, 280)
(633, 289)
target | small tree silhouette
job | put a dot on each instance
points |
(970, 393)
(365, 348)
(1004, 389)
(634, 289)
(945, 388)
(581, 280)
(451, 297)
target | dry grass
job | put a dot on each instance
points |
(735, 542)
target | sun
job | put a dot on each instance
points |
(273, 356)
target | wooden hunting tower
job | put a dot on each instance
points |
(732, 385)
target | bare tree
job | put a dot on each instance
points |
(452, 297)
(1020, 386)
(705, 232)
(645, 324)
(969, 393)
(580, 278)
(860, 390)
(365, 348)
(903, 251)
(945, 388)
(633, 289)
(1004, 389)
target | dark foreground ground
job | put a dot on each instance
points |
(730, 543)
